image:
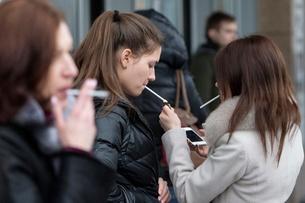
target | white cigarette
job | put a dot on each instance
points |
(203, 105)
(94, 93)
(163, 100)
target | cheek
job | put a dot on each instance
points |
(138, 79)
(53, 79)
(141, 72)
(49, 87)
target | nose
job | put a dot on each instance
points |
(151, 76)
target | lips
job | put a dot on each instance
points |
(62, 92)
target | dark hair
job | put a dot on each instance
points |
(173, 40)
(255, 69)
(27, 48)
(96, 57)
(214, 21)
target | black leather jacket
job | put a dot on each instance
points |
(125, 143)
(33, 167)
(173, 56)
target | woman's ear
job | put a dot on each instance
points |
(125, 58)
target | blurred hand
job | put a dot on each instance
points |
(169, 119)
(78, 129)
(164, 195)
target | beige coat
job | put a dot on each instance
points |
(236, 171)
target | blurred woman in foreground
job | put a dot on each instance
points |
(38, 161)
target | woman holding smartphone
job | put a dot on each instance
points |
(43, 156)
(120, 51)
(255, 142)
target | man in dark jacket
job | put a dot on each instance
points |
(174, 56)
(221, 29)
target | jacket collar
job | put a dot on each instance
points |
(218, 121)
(132, 112)
(33, 120)
(30, 114)
(209, 47)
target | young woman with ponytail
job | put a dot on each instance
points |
(120, 51)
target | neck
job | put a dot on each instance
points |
(213, 44)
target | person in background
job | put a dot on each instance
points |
(44, 157)
(121, 51)
(220, 30)
(255, 142)
(174, 56)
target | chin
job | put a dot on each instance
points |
(63, 101)
(135, 94)
(140, 92)
(62, 97)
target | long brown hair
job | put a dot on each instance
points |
(96, 57)
(254, 68)
(27, 48)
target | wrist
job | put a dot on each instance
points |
(77, 150)
(77, 146)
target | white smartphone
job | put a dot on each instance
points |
(193, 137)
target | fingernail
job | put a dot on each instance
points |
(54, 100)
(91, 82)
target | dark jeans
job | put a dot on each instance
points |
(173, 196)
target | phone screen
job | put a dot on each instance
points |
(191, 135)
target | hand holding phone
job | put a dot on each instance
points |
(194, 138)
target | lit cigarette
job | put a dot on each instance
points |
(94, 93)
(163, 100)
(203, 105)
